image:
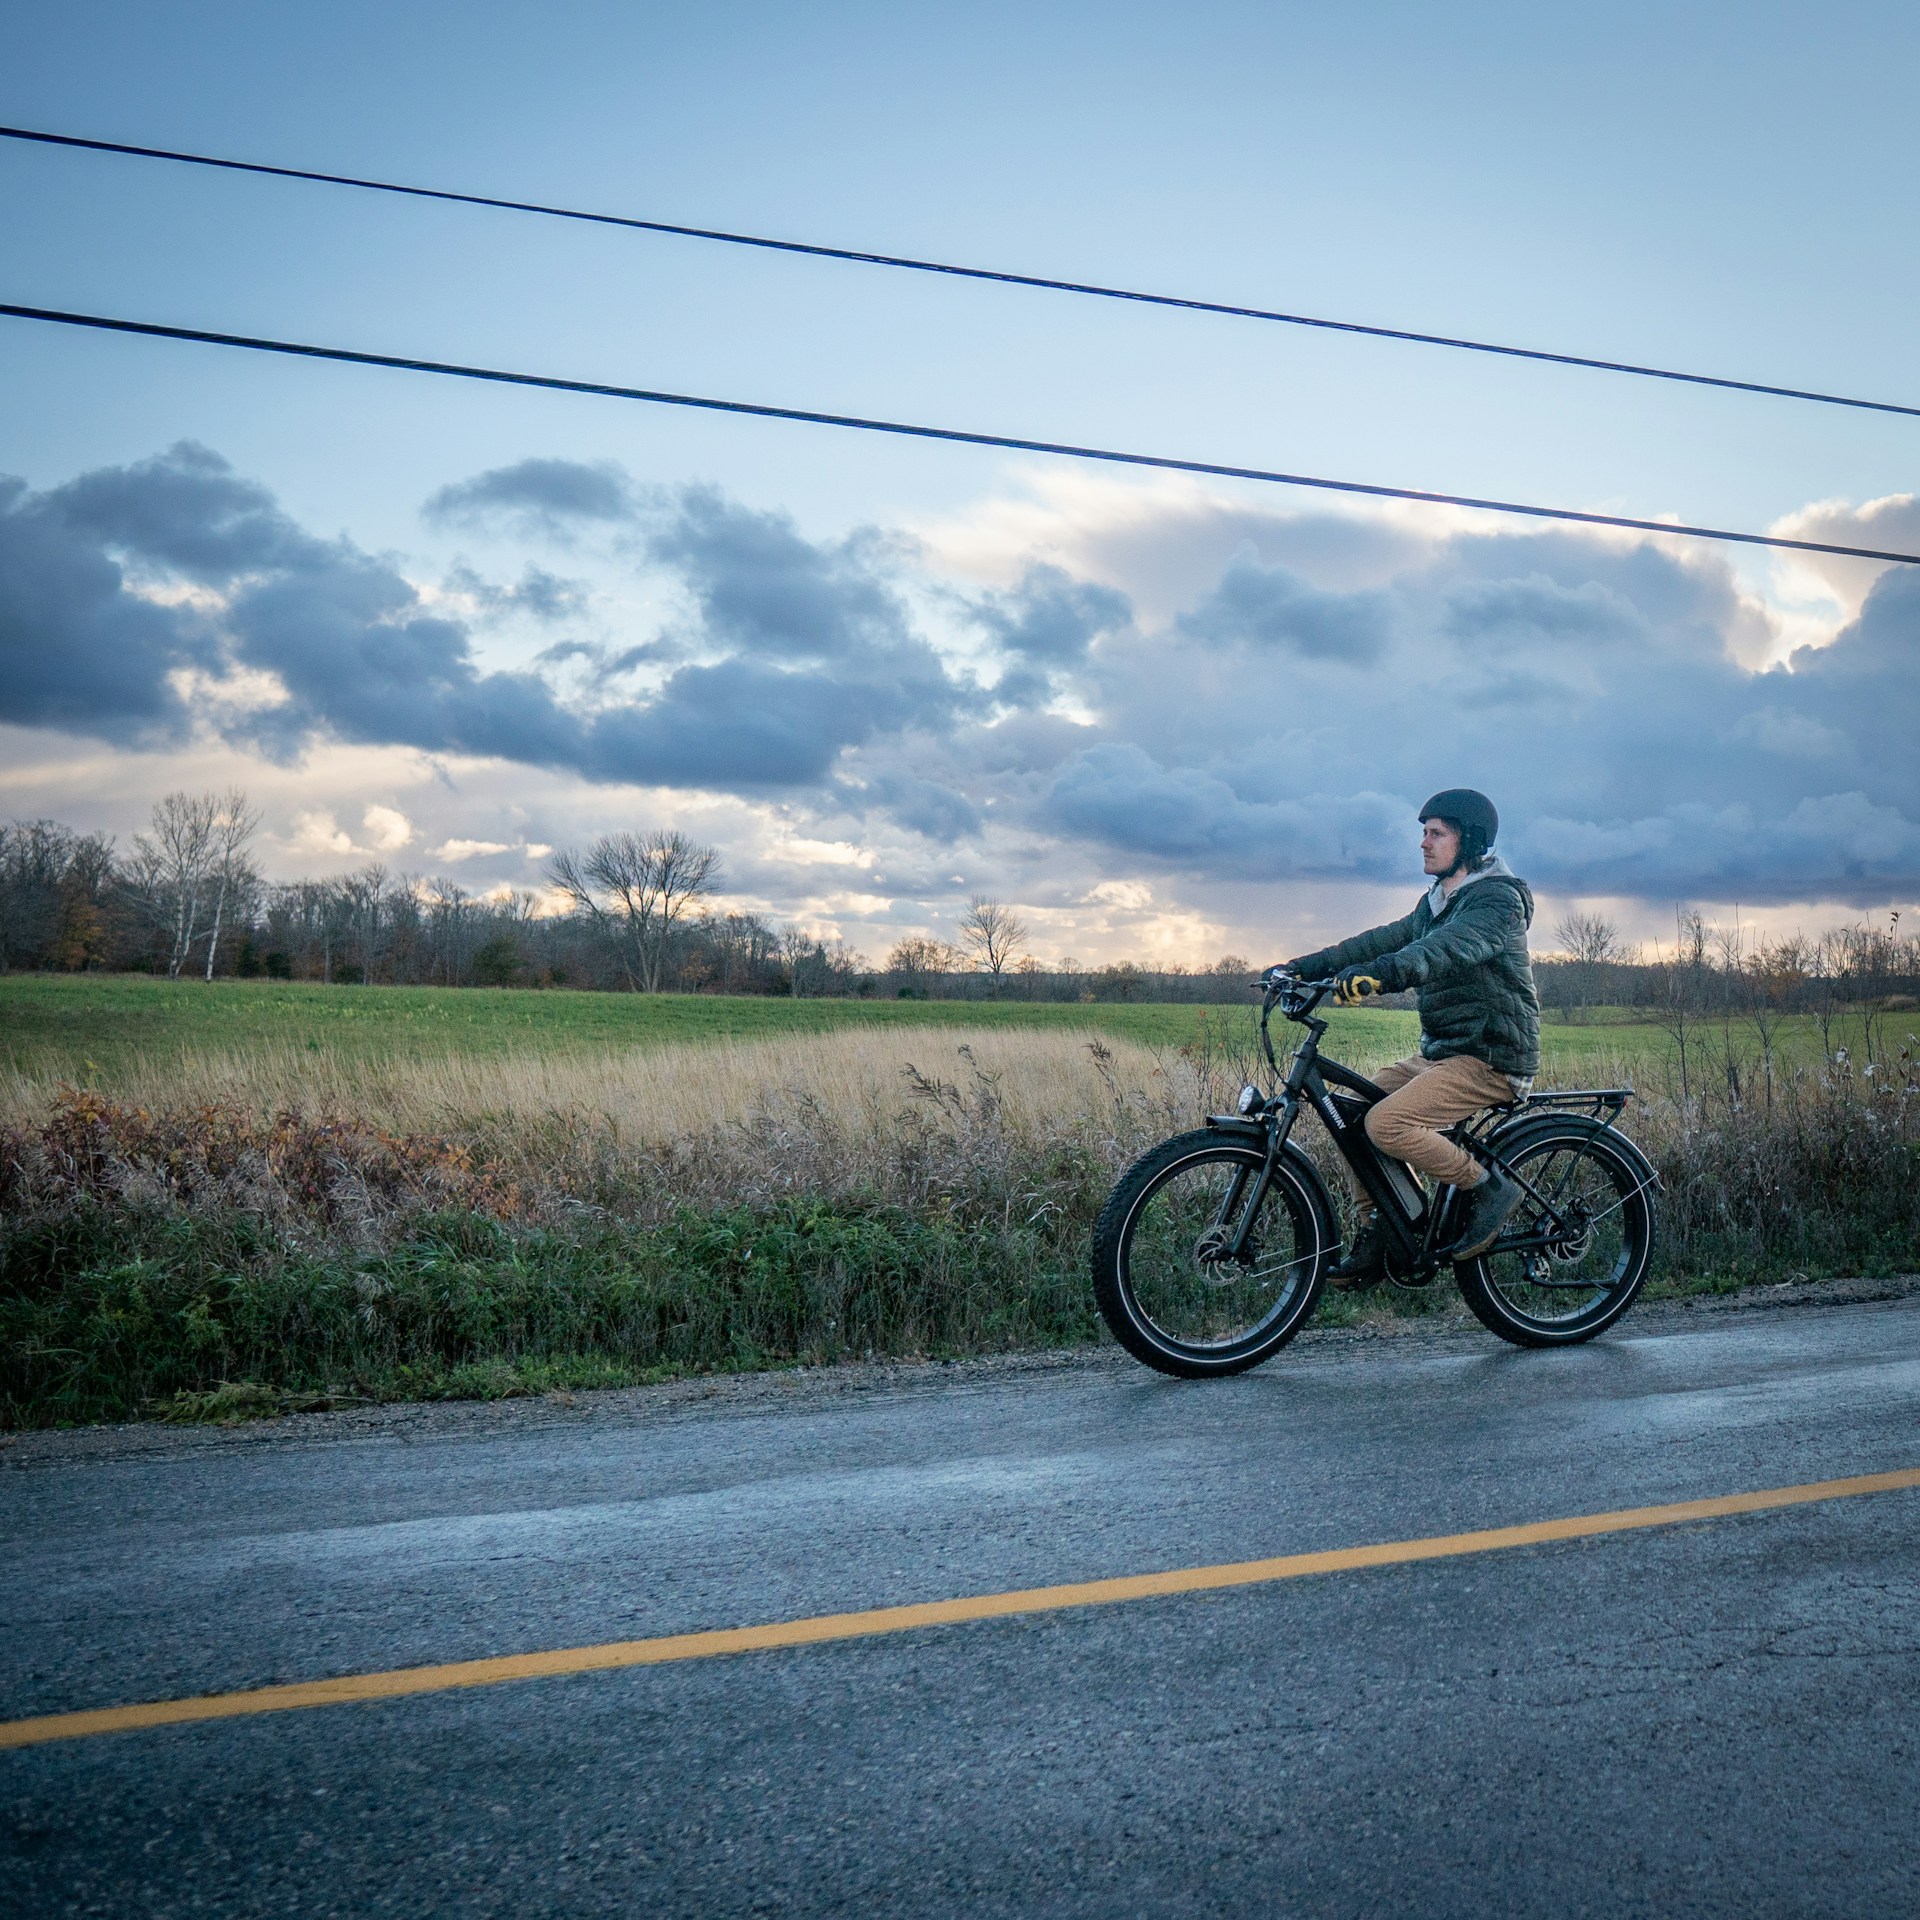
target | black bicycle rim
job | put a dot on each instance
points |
(1555, 1282)
(1185, 1299)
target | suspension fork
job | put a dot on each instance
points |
(1279, 1127)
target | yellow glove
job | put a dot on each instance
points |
(1353, 986)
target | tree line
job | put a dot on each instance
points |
(1709, 969)
(189, 900)
(643, 915)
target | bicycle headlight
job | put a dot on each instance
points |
(1249, 1098)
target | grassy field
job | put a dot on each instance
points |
(59, 1022)
(418, 1055)
(102, 1030)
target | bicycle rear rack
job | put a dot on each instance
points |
(1591, 1102)
(1611, 1100)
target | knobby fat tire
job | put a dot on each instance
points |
(1296, 1186)
(1483, 1297)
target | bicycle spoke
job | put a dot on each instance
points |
(1561, 1259)
(1184, 1278)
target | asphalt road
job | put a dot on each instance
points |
(1714, 1718)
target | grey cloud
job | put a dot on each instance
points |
(362, 661)
(1166, 560)
(760, 587)
(1794, 736)
(1050, 618)
(644, 653)
(1883, 640)
(548, 496)
(1646, 594)
(736, 722)
(610, 664)
(823, 654)
(1023, 687)
(546, 596)
(77, 649)
(939, 813)
(743, 724)
(1028, 743)
(1831, 845)
(540, 595)
(1273, 607)
(1515, 611)
(1590, 688)
(361, 658)
(187, 511)
(1275, 729)
(569, 650)
(1186, 816)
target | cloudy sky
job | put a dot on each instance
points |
(452, 627)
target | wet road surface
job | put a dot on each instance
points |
(1717, 1717)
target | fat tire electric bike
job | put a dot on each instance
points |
(1211, 1252)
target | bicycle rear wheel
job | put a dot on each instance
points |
(1564, 1283)
(1161, 1275)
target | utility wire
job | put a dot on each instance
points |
(964, 273)
(860, 424)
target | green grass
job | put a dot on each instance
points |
(106, 1316)
(85, 1027)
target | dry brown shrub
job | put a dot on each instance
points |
(206, 1158)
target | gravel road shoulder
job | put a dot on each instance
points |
(798, 1388)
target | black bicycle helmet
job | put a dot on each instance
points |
(1471, 815)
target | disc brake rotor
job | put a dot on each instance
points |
(1577, 1242)
(1221, 1266)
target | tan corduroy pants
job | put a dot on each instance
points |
(1422, 1097)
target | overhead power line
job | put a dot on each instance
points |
(910, 265)
(908, 430)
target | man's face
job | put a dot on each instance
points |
(1439, 846)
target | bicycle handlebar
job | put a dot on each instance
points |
(1276, 984)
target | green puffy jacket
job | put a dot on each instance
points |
(1467, 953)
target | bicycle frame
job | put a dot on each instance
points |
(1414, 1221)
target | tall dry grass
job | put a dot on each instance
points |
(854, 1078)
(281, 1222)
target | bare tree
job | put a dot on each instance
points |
(1680, 995)
(1590, 942)
(366, 898)
(233, 875)
(807, 961)
(314, 914)
(991, 933)
(918, 962)
(635, 887)
(54, 885)
(1589, 937)
(451, 915)
(170, 870)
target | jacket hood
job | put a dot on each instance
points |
(1492, 869)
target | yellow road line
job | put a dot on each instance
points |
(935, 1613)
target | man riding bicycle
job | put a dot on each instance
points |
(1465, 947)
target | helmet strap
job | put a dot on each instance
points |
(1472, 850)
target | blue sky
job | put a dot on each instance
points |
(1727, 188)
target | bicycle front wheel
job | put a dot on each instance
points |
(1164, 1275)
(1562, 1271)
